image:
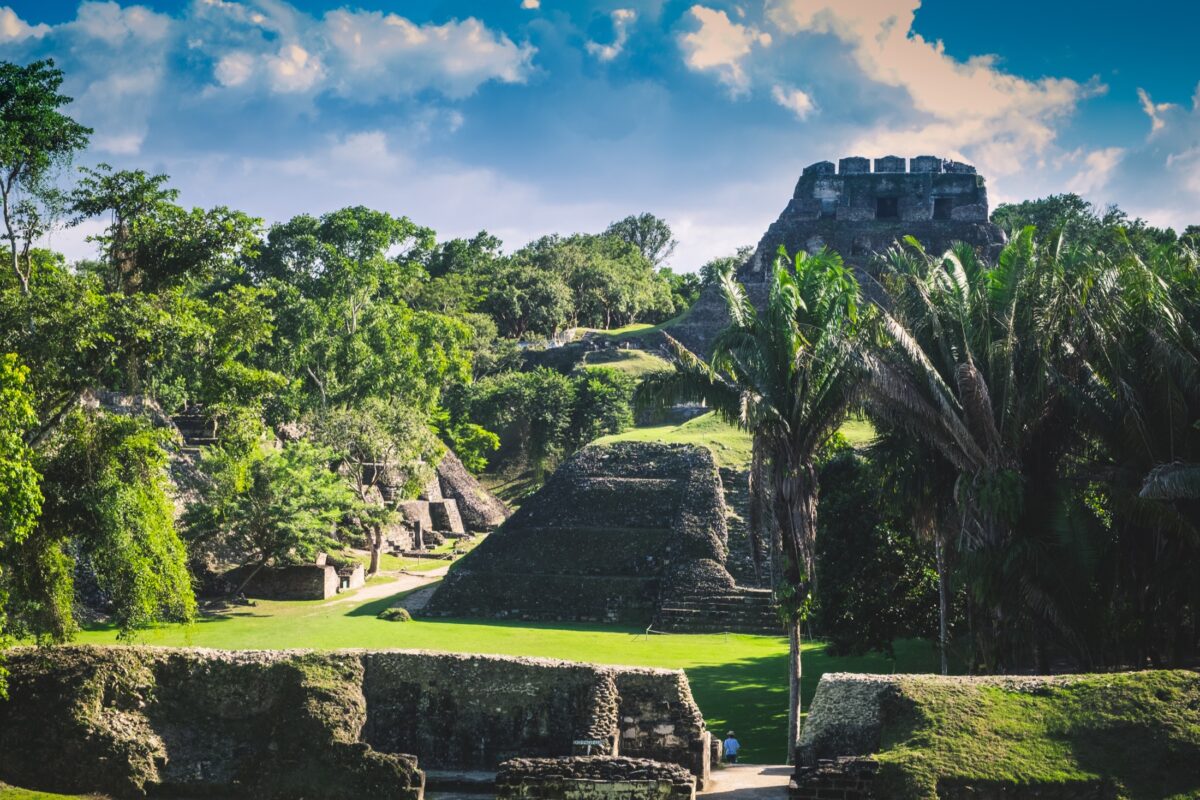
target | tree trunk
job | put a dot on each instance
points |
(250, 577)
(795, 494)
(22, 278)
(943, 636)
(376, 548)
(794, 674)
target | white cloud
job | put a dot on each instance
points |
(114, 59)
(719, 45)
(234, 69)
(622, 18)
(1155, 111)
(795, 100)
(13, 28)
(531, 3)
(293, 69)
(385, 55)
(1097, 169)
(973, 108)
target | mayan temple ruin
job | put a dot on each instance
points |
(859, 209)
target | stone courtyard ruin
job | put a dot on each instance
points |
(345, 724)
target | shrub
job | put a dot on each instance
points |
(395, 614)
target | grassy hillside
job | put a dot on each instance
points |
(729, 446)
(635, 363)
(1139, 731)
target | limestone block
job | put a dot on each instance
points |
(854, 165)
(889, 164)
(925, 164)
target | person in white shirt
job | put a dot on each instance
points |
(732, 746)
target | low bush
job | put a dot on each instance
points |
(395, 614)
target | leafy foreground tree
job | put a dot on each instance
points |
(786, 376)
(108, 518)
(268, 506)
(20, 494)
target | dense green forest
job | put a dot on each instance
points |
(1031, 499)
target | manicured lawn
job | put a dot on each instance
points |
(738, 681)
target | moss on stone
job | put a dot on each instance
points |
(1129, 735)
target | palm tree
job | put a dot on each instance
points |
(973, 360)
(786, 376)
(923, 480)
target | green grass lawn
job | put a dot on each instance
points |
(739, 681)
(635, 363)
(729, 446)
(11, 793)
(392, 563)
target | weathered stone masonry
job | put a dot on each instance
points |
(594, 778)
(616, 531)
(344, 724)
(858, 212)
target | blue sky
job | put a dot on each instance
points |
(530, 116)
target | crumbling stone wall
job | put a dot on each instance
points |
(342, 724)
(131, 721)
(593, 778)
(846, 778)
(659, 720)
(297, 582)
(472, 712)
(614, 528)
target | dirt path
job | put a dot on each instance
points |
(748, 782)
(404, 581)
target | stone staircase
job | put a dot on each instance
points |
(741, 561)
(746, 611)
(196, 430)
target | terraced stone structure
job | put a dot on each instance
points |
(130, 721)
(858, 212)
(619, 533)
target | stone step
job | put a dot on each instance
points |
(685, 614)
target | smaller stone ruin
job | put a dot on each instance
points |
(318, 581)
(452, 505)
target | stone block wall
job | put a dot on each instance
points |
(128, 721)
(300, 582)
(472, 712)
(659, 720)
(342, 724)
(840, 779)
(593, 778)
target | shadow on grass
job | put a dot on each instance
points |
(750, 696)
